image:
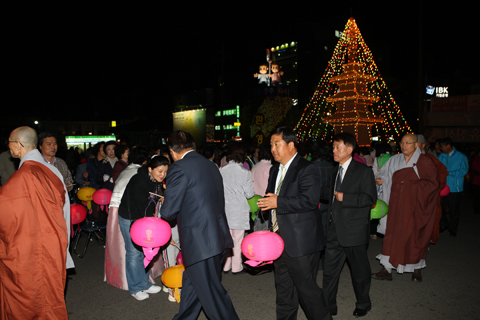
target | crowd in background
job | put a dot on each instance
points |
(100, 165)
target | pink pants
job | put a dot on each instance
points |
(233, 259)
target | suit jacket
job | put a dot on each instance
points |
(352, 215)
(298, 216)
(194, 196)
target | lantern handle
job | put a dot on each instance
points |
(156, 195)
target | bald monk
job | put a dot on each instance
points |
(33, 235)
(414, 190)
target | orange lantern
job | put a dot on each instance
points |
(172, 277)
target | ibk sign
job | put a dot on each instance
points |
(439, 92)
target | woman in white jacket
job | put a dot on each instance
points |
(237, 188)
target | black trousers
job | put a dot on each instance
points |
(453, 200)
(296, 282)
(202, 288)
(357, 258)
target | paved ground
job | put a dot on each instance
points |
(450, 287)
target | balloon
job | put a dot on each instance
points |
(262, 247)
(379, 210)
(445, 191)
(172, 277)
(150, 233)
(102, 197)
(179, 258)
(85, 194)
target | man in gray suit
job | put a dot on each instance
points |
(194, 196)
(353, 192)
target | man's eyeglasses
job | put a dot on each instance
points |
(7, 142)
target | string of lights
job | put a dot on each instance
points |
(352, 92)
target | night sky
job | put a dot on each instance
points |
(71, 61)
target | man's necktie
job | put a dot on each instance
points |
(274, 211)
(338, 183)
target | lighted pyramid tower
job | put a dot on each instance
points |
(352, 97)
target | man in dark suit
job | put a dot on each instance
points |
(353, 193)
(194, 196)
(293, 194)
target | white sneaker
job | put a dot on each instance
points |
(153, 289)
(141, 295)
(171, 298)
(165, 289)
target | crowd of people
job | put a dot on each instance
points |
(316, 196)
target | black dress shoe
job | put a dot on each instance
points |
(442, 229)
(453, 234)
(360, 313)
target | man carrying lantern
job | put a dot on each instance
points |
(293, 195)
(33, 235)
(194, 196)
(411, 180)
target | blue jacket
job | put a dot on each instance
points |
(457, 166)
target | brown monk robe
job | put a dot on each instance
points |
(33, 245)
(411, 215)
(442, 179)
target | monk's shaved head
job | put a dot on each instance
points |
(27, 137)
(411, 135)
(409, 144)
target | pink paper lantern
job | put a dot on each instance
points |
(445, 191)
(262, 247)
(78, 213)
(102, 197)
(150, 233)
(179, 258)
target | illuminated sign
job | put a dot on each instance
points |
(88, 139)
(440, 92)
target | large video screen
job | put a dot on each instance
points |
(193, 121)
